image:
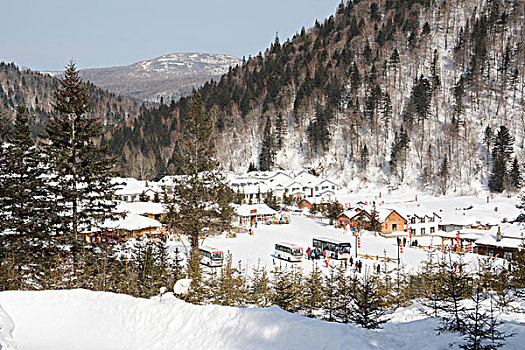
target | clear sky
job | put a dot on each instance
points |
(45, 34)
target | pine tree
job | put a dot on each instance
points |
(197, 188)
(496, 181)
(516, 180)
(231, 284)
(313, 291)
(23, 199)
(331, 298)
(280, 130)
(375, 222)
(364, 158)
(344, 290)
(267, 155)
(80, 171)
(481, 327)
(455, 286)
(260, 290)
(24, 208)
(286, 288)
(367, 308)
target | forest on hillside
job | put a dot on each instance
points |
(388, 91)
(421, 92)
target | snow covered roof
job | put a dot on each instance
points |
(141, 208)
(352, 212)
(254, 209)
(503, 243)
(131, 222)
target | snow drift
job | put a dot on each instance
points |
(81, 319)
(6, 331)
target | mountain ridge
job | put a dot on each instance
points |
(168, 76)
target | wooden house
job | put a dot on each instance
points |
(354, 218)
(393, 222)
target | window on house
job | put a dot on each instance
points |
(432, 219)
(394, 227)
(432, 229)
(413, 220)
(422, 231)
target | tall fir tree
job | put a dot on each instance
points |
(23, 199)
(515, 178)
(80, 170)
(267, 155)
(197, 189)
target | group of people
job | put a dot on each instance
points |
(404, 241)
(315, 253)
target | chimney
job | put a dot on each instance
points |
(498, 236)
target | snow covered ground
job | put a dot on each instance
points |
(258, 248)
(86, 320)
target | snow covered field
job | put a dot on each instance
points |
(258, 249)
(86, 320)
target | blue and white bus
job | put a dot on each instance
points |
(211, 256)
(288, 251)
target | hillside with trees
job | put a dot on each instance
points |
(391, 91)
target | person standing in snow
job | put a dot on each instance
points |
(359, 265)
(404, 241)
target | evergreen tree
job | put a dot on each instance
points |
(331, 297)
(364, 158)
(454, 287)
(516, 180)
(280, 130)
(271, 201)
(231, 285)
(375, 222)
(80, 171)
(398, 154)
(344, 290)
(481, 327)
(260, 290)
(367, 308)
(197, 189)
(267, 155)
(23, 199)
(497, 175)
(313, 291)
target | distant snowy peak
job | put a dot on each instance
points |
(170, 76)
(188, 63)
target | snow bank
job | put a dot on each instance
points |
(6, 330)
(80, 319)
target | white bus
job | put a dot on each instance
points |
(211, 256)
(288, 251)
(334, 248)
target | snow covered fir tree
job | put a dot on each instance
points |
(358, 185)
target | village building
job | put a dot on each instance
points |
(249, 214)
(156, 211)
(358, 218)
(127, 226)
(393, 222)
(502, 241)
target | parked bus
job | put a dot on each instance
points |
(211, 256)
(288, 251)
(334, 248)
